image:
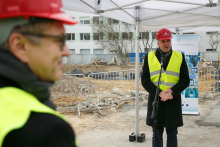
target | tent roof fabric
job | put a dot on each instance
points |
(154, 14)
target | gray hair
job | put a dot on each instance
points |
(36, 28)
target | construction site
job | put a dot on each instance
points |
(99, 103)
(72, 73)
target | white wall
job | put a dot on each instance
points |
(204, 42)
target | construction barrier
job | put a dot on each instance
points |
(208, 80)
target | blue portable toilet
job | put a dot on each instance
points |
(133, 55)
(198, 56)
(140, 56)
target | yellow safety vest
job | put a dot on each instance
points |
(16, 106)
(171, 76)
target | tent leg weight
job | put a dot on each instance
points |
(132, 137)
(141, 137)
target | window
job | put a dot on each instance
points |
(97, 36)
(144, 35)
(98, 51)
(84, 20)
(70, 36)
(210, 32)
(127, 35)
(113, 36)
(72, 51)
(101, 19)
(210, 50)
(154, 34)
(189, 33)
(109, 21)
(125, 23)
(84, 36)
(113, 21)
(84, 51)
(73, 36)
(95, 20)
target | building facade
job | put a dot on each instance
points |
(82, 40)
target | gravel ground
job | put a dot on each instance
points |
(113, 128)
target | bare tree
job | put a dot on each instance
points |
(147, 43)
(214, 40)
(110, 35)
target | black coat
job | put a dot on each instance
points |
(169, 112)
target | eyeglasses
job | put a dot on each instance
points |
(61, 39)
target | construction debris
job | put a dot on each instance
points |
(202, 58)
(71, 85)
(204, 64)
(98, 62)
(114, 61)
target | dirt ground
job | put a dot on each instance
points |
(113, 128)
(71, 89)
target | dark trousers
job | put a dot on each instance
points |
(171, 137)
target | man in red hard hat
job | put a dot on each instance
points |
(174, 79)
(32, 44)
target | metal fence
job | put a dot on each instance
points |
(101, 88)
(208, 80)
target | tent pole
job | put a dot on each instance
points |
(137, 8)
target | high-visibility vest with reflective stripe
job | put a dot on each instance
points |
(171, 76)
(16, 106)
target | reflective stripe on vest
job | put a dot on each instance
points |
(171, 76)
(16, 106)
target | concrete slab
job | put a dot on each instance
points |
(111, 138)
(130, 110)
(213, 118)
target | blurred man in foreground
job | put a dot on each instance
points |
(32, 44)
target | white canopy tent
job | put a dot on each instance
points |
(186, 15)
(197, 29)
(154, 14)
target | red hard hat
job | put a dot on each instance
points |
(164, 34)
(51, 9)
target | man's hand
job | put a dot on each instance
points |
(166, 95)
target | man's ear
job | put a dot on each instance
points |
(17, 47)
